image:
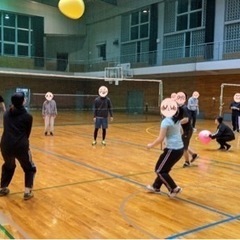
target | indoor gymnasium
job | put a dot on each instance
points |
(129, 66)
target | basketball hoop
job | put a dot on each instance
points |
(113, 74)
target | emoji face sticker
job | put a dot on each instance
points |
(195, 94)
(173, 96)
(49, 96)
(103, 91)
(168, 107)
(180, 98)
(236, 97)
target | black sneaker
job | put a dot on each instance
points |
(51, 133)
(45, 133)
(222, 148)
(194, 157)
(228, 147)
(186, 164)
(4, 192)
(27, 196)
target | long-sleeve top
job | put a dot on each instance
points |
(188, 125)
(17, 125)
(102, 106)
(223, 131)
(193, 104)
(49, 108)
(235, 107)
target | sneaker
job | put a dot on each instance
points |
(186, 164)
(27, 196)
(194, 157)
(228, 147)
(222, 148)
(4, 192)
(45, 133)
(194, 129)
(175, 192)
(151, 189)
(51, 133)
(94, 142)
(103, 143)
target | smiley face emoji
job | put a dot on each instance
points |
(103, 91)
(196, 94)
(168, 107)
(49, 96)
(236, 97)
(181, 98)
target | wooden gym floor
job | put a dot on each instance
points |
(99, 192)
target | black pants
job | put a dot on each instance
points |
(8, 168)
(166, 161)
(235, 123)
(194, 117)
(223, 140)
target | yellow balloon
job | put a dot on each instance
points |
(72, 8)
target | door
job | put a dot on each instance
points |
(135, 102)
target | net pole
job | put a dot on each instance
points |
(221, 94)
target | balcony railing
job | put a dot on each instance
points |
(189, 54)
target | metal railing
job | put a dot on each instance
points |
(190, 54)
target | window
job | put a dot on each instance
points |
(102, 51)
(189, 14)
(23, 22)
(15, 34)
(22, 50)
(23, 36)
(139, 28)
(9, 49)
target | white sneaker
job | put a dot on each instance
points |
(175, 192)
(194, 129)
(151, 189)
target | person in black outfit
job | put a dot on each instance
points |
(235, 107)
(17, 125)
(223, 134)
(187, 127)
(102, 106)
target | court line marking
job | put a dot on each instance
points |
(126, 179)
(139, 184)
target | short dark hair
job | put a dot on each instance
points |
(220, 119)
(17, 99)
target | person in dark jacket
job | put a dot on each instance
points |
(235, 107)
(17, 125)
(102, 107)
(223, 134)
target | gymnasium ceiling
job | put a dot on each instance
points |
(54, 3)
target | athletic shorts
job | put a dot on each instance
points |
(101, 123)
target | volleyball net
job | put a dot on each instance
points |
(135, 96)
(77, 93)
